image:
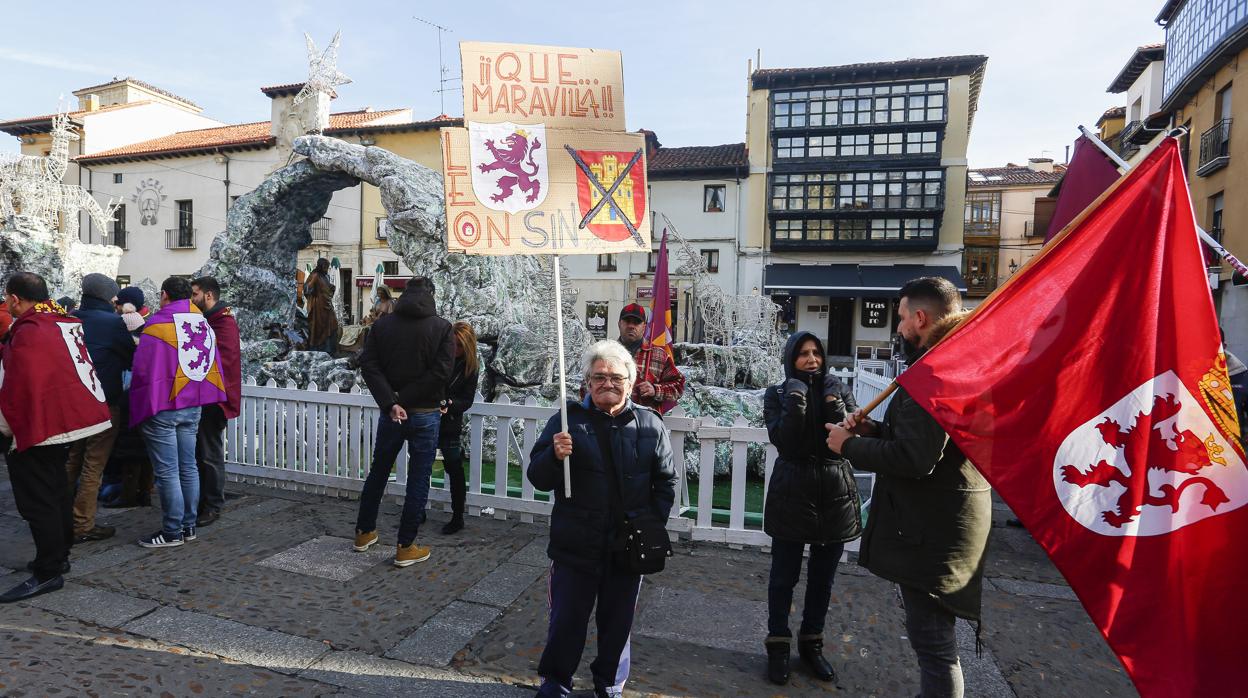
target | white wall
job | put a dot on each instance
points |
(1147, 89)
(115, 128)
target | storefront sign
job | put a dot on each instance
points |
(596, 315)
(874, 312)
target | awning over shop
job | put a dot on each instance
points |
(850, 280)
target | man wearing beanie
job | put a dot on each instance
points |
(111, 348)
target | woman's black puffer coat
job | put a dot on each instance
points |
(811, 496)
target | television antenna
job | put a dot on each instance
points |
(443, 71)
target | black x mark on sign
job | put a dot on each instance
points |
(607, 193)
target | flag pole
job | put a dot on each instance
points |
(563, 383)
(1204, 236)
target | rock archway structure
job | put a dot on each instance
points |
(508, 300)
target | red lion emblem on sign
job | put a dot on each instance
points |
(1146, 449)
(512, 159)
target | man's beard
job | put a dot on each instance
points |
(910, 350)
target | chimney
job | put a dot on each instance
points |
(91, 103)
(1040, 164)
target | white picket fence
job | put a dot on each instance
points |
(323, 439)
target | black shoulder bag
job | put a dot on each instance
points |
(641, 544)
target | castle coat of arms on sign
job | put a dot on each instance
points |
(509, 170)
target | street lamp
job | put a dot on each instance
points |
(1013, 267)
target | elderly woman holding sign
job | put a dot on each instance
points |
(611, 530)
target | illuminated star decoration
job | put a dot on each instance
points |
(323, 74)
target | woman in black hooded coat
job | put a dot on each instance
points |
(811, 500)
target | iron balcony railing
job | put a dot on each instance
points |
(180, 238)
(1128, 132)
(1215, 148)
(320, 230)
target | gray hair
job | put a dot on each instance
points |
(612, 352)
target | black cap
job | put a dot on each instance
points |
(635, 311)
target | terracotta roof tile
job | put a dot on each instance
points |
(1112, 113)
(1012, 176)
(699, 158)
(140, 83)
(441, 121)
(288, 88)
(234, 136)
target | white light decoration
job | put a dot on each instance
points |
(323, 73)
(27, 182)
(745, 320)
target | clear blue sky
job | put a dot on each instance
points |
(684, 62)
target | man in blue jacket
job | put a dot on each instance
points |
(111, 348)
(621, 467)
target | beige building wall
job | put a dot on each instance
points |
(1230, 181)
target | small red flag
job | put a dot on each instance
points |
(1090, 173)
(1092, 393)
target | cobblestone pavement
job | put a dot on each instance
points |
(271, 601)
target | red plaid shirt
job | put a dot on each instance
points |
(655, 366)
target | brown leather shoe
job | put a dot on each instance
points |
(96, 533)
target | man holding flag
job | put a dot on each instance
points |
(659, 384)
(931, 511)
(1105, 421)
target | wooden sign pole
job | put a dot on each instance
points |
(563, 383)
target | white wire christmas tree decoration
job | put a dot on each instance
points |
(727, 319)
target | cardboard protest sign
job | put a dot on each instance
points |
(573, 88)
(531, 189)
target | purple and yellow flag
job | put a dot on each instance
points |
(176, 365)
(659, 328)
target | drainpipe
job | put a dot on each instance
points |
(226, 161)
(359, 298)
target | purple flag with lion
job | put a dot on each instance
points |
(176, 364)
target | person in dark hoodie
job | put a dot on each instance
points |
(931, 510)
(406, 362)
(811, 500)
(459, 396)
(112, 351)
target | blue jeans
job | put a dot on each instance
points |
(170, 437)
(420, 433)
(786, 567)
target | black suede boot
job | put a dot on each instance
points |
(777, 660)
(454, 525)
(810, 649)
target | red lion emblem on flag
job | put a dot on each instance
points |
(1147, 449)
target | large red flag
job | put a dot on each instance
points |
(1090, 173)
(1092, 392)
